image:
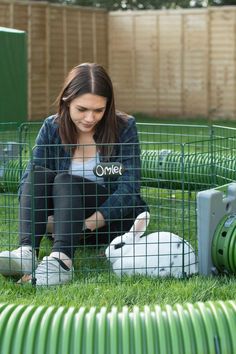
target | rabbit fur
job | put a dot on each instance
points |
(157, 254)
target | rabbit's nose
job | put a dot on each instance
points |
(119, 245)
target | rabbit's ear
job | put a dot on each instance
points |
(121, 244)
(140, 225)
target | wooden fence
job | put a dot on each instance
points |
(59, 37)
(165, 63)
(176, 62)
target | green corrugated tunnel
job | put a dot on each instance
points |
(164, 168)
(182, 329)
(173, 168)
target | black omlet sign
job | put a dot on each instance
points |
(111, 169)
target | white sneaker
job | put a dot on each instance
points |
(50, 272)
(17, 262)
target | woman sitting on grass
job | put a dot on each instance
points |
(85, 172)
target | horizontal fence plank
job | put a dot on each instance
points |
(185, 57)
(179, 62)
(59, 37)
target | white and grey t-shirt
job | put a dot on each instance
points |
(85, 169)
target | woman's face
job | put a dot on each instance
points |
(87, 110)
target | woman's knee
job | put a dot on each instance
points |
(43, 174)
(62, 178)
(66, 179)
(65, 184)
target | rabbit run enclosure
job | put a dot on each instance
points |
(177, 162)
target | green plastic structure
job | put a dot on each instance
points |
(182, 329)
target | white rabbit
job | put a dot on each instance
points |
(157, 254)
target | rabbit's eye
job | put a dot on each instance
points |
(119, 245)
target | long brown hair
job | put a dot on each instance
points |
(82, 79)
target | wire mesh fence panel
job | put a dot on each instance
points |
(9, 132)
(173, 134)
(177, 161)
(12, 165)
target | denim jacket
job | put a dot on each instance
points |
(124, 190)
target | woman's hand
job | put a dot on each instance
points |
(95, 221)
(50, 224)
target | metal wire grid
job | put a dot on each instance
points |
(177, 162)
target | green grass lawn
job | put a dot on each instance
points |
(139, 291)
(94, 283)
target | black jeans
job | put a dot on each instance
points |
(71, 199)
